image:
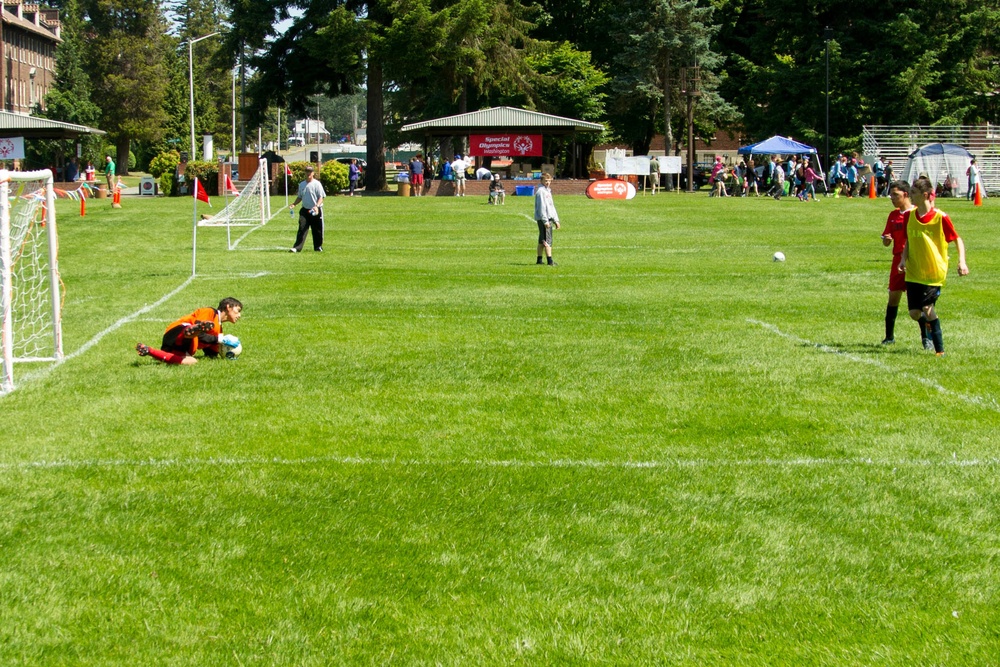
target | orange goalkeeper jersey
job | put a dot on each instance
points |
(200, 315)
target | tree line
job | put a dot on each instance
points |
(122, 66)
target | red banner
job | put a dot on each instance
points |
(610, 188)
(511, 145)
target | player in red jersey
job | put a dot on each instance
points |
(201, 330)
(894, 234)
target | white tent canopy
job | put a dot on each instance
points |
(941, 163)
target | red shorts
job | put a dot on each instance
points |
(897, 280)
(417, 179)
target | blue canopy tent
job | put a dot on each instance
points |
(779, 145)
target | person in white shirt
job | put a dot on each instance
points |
(459, 166)
(973, 173)
(311, 195)
(547, 218)
(483, 174)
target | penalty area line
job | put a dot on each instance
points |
(978, 401)
(486, 464)
(27, 377)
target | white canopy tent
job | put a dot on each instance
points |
(941, 163)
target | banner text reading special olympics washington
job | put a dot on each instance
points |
(516, 145)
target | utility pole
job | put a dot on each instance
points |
(827, 36)
(690, 84)
(243, 97)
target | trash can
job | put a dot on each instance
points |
(102, 191)
(524, 190)
(403, 189)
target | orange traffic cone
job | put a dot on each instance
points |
(116, 201)
(978, 199)
(871, 187)
(83, 203)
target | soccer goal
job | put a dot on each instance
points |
(30, 301)
(250, 208)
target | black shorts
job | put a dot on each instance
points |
(175, 342)
(919, 296)
(544, 233)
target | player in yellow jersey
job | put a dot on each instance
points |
(925, 258)
(200, 330)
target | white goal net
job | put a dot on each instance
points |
(30, 301)
(250, 208)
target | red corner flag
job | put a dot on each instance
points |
(230, 187)
(199, 192)
(288, 172)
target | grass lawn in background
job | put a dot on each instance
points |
(667, 449)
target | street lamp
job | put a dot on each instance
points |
(827, 36)
(191, 43)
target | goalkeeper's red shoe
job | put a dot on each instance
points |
(143, 350)
(197, 329)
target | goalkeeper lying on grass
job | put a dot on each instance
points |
(201, 330)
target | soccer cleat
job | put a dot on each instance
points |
(197, 329)
(319, 249)
(539, 261)
(293, 249)
(888, 341)
(928, 344)
(939, 354)
(143, 350)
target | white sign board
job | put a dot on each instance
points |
(627, 166)
(670, 164)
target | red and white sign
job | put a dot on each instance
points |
(513, 145)
(610, 188)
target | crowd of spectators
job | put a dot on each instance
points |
(800, 176)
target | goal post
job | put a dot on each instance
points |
(250, 208)
(30, 298)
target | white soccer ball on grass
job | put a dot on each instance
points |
(779, 256)
(231, 346)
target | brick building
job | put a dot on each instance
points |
(29, 35)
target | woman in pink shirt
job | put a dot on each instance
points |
(809, 179)
(718, 178)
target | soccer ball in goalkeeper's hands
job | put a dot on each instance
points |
(230, 346)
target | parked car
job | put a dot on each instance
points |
(702, 175)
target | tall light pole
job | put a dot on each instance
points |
(827, 36)
(191, 43)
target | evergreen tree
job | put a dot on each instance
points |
(69, 98)
(212, 70)
(658, 38)
(907, 63)
(335, 48)
(126, 48)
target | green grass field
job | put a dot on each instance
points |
(666, 450)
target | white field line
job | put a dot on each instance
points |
(460, 248)
(485, 464)
(97, 337)
(979, 401)
(255, 228)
